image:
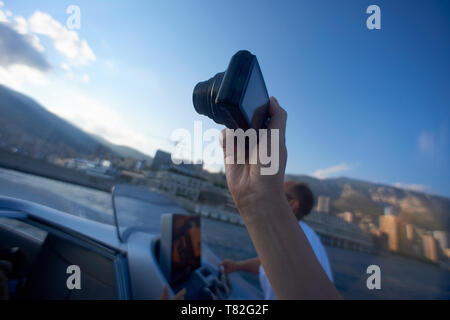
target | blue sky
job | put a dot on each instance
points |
(368, 104)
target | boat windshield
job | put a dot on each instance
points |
(139, 209)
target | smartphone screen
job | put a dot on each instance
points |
(255, 102)
(186, 246)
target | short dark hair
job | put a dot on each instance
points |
(303, 194)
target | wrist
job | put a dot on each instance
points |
(261, 202)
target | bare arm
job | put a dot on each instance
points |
(288, 259)
(250, 265)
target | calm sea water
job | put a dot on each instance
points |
(400, 278)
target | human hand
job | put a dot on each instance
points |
(230, 266)
(246, 182)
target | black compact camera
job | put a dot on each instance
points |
(236, 98)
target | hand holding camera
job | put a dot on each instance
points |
(238, 99)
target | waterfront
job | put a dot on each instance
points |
(401, 278)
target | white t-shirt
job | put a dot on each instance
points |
(319, 251)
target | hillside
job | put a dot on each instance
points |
(428, 211)
(124, 151)
(29, 126)
(21, 115)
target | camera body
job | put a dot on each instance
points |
(236, 98)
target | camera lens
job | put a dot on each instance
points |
(204, 99)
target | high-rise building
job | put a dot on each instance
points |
(380, 239)
(162, 160)
(390, 226)
(391, 211)
(410, 232)
(346, 216)
(323, 204)
(430, 247)
(395, 231)
(447, 253)
(388, 211)
(442, 238)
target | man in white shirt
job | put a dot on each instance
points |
(301, 201)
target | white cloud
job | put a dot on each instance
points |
(325, 173)
(3, 17)
(65, 66)
(20, 25)
(15, 72)
(21, 58)
(1, 3)
(69, 75)
(17, 75)
(413, 187)
(426, 142)
(86, 78)
(66, 42)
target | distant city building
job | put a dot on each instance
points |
(219, 198)
(335, 231)
(388, 211)
(414, 245)
(407, 239)
(323, 204)
(395, 231)
(182, 185)
(447, 253)
(347, 216)
(132, 177)
(101, 168)
(191, 169)
(217, 178)
(217, 213)
(380, 239)
(410, 232)
(212, 198)
(179, 184)
(442, 238)
(430, 247)
(162, 160)
(365, 222)
(139, 165)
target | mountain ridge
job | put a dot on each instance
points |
(431, 212)
(31, 122)
(123, 150)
